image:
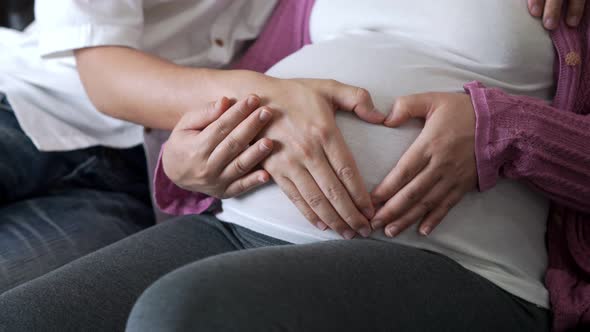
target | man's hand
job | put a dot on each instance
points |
(436, 171)
(311, 162)
(209, 151)
(551, 11)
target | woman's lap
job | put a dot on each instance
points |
(347, 285)
(359, 285)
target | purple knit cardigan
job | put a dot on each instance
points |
(517, 137)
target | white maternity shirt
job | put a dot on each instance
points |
(397, 47)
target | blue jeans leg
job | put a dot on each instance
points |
(58, 206)
(41, 234)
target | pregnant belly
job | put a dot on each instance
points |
(500, 232)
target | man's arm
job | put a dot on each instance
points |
(141, 88)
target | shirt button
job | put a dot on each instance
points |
(573, 59)
(219, 42)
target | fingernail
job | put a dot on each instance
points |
(369, 213)
(263, 147)
(252, 101)
(376, 223)
(265, 115)
(550, 23)
(365, 232)
(391, 231)
(262, 179)
(536, 10)
(321, 225)
(349, 235)
(573, 20)
(425, 231)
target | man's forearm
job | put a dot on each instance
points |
(130, 85)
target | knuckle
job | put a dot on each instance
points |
(448, 205)
(361, 199)
(411, 195)
(240, 167)
(203, 173)
(362, 94)
(305, 150)
(241, 186)
(310, 216)
(221, 129)
(232, 144)
(427, 205)
(241, 109)
(322, 133)
(405, 175)
(443, 161)
(440, 144)
(353, 220)
(294, 197)
(316, 201)
(345, 173)
(335, 194)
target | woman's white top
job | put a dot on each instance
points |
(397, 47)
(38, 71)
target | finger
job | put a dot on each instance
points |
(552, 13)
(407, 107)
(435, 217)
(319, 203)
(418, 211)
(197, 120)
(410, 164)
(291, 191)
(354, 99)
(408, 197)
(239, 138)
(575, 11)
(536, 7)
(342, 164)
(221, 128)
(247, 183)
(246, 161)
(338, 195)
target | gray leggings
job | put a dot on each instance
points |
(231, 284)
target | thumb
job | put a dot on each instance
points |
(407, 107)
(198, 120)
(358, 100)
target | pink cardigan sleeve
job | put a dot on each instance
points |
(172, 199)
(524, 138)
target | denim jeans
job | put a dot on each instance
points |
(58, 206)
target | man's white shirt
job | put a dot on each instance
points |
(38, 72)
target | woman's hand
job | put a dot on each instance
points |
(436, 171)
(217, 160)
(312, 163)
(551, 11)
